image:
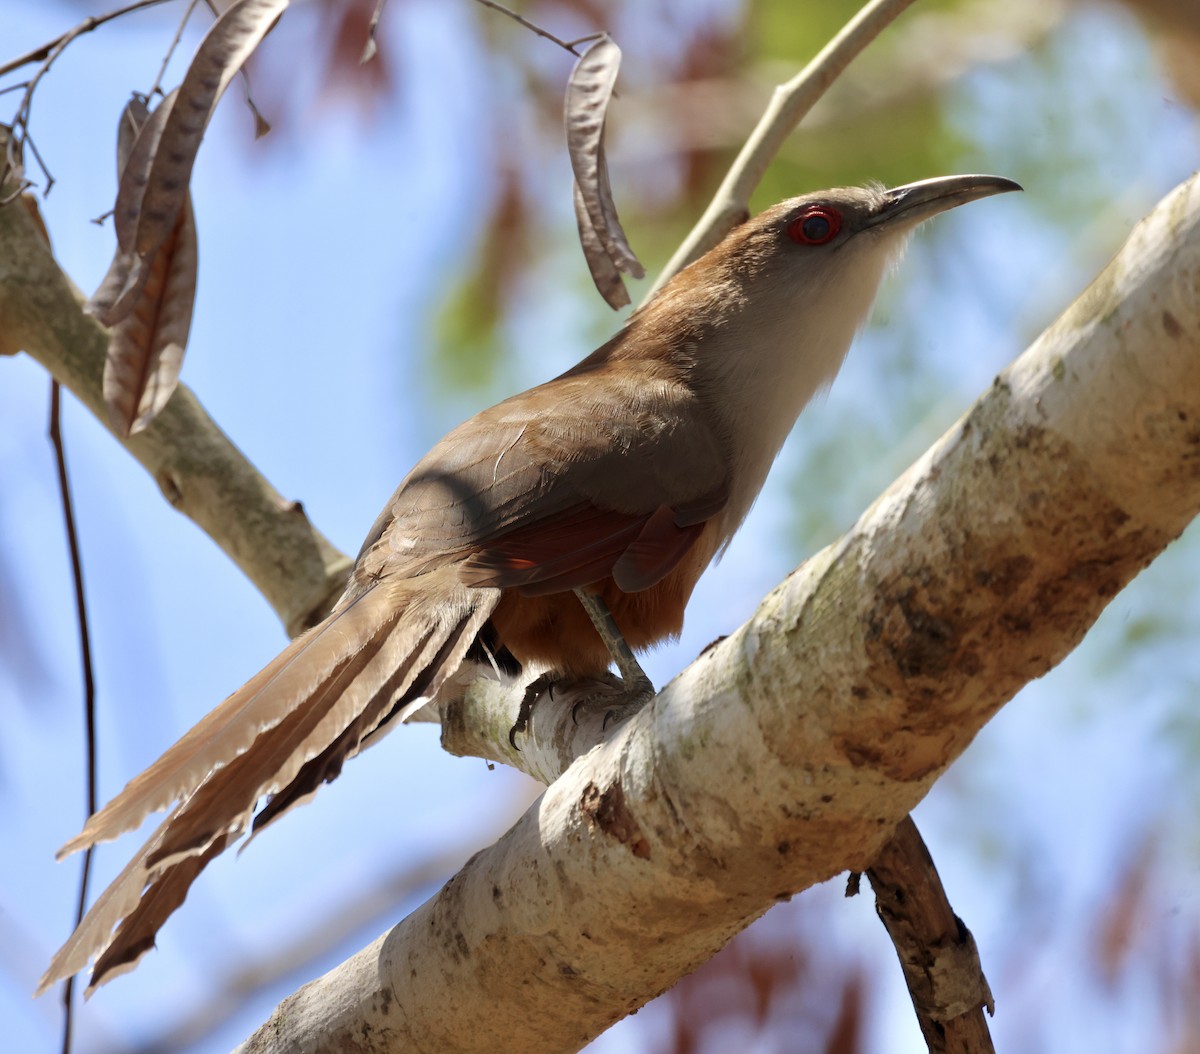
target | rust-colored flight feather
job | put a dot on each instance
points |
(581, 546)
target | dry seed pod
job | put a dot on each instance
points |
(604, 272)
(229, 42)
(151, 299)
(145, 351)
(585, 111)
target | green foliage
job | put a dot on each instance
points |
(467, 347)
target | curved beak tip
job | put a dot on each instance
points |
(915, 202)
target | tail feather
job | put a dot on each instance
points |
(229, 729)
(135, 935)
(378, 658)
(387, 707)
(118, 900)
(224, 802)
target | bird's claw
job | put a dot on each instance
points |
(625, 704)
(533, 691)
(619, 701)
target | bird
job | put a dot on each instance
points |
(558, 530)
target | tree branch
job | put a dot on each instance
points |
(38, 54)
(198, 469)
(789, 103)
(792, 750)
(937, 952)
(533, 27)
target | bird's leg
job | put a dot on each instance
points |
(634, 677)
(637, 686)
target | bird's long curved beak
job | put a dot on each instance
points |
(913, 203)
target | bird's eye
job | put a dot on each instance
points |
(815, 225)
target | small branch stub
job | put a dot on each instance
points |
(936, 950)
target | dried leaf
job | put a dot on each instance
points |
(133, 117)
(145, 351)
(261, 125)
(150, 299)
(226, 46)
(1123, 922)
(619, 248)
(154, 182)
(114, 297)
(585, 111)
(604, 271)
(370, 49)
(138, 137)
(118, 291)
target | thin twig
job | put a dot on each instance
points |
(156, 87)
(46, 55)
(89, 682)
(789, 103)
(261, 125)
(86, 26)
(535, 28)
(37, 156)
(13, 168)
(20, 122)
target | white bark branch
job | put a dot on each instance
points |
(563, 727)
(790, 751)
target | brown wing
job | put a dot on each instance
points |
(612, 472)
(582, 546)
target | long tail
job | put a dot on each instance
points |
(374, 660)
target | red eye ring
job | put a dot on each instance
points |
(816, 225)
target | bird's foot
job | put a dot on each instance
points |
(605, 694)
(542, 684)
(615, 700)
(620, 698)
